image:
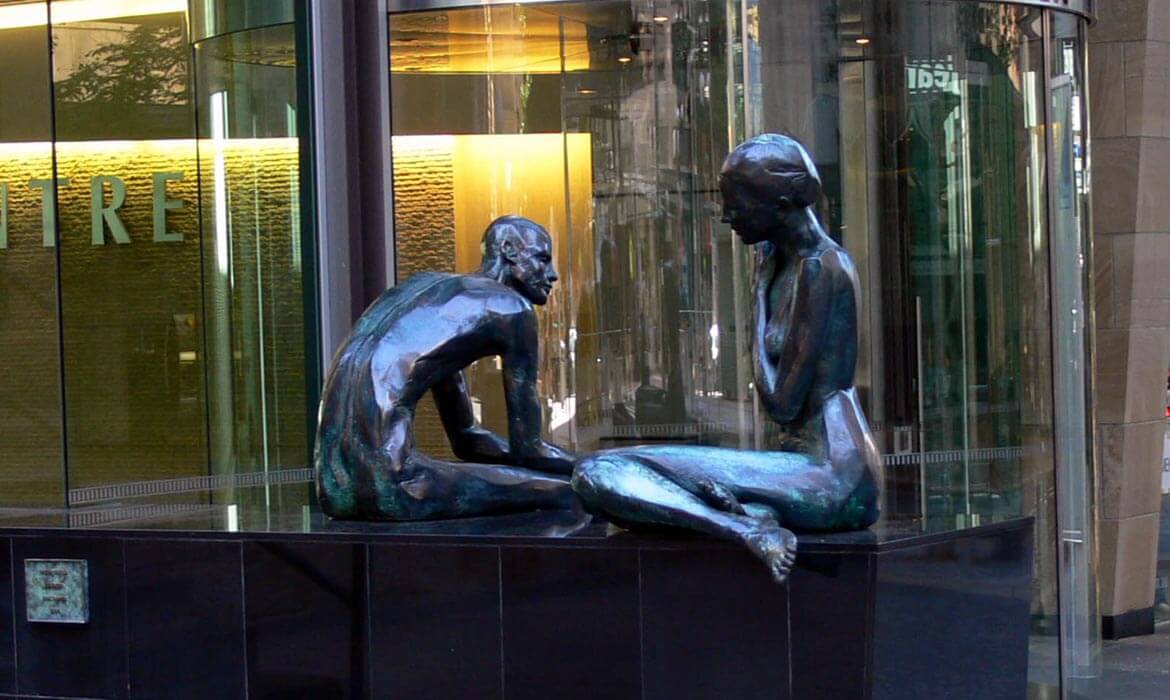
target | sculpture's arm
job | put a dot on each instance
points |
(469, 441)
(524, 417)
(791, 342)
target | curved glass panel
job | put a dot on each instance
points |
(252, 265)
(928, 120)
(607, 122)
(216, 17)
(607, 127)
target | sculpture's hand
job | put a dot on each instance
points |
(791, 339)
(476, 444)
(552, 459)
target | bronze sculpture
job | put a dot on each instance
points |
(805, 352)
(419, 335)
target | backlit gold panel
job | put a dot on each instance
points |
(31, 461)
(468, 181)
(133, 410)
(132, 306)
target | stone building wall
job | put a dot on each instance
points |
(1130, 102)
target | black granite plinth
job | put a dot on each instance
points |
(530, 606)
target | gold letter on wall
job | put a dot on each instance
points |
(101, 214)
(48, 208)
(161, 205)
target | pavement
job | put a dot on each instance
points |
(1138, 668)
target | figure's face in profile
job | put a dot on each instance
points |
(533, 273)
(751, 219)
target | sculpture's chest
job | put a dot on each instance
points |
(781, 287)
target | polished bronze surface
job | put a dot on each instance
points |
(418, 336)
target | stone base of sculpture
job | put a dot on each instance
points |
(494, 607)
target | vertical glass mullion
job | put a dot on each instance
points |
(1092, 612)
(52, 192)
(1076, 594)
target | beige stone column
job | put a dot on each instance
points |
(1129, 77)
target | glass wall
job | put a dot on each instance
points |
(150, 292)
(252, 252)
(31, 427)
(949, 138)
(606, 124)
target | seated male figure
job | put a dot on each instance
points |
(420, 335)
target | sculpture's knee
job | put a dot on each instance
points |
(593, 477)
(584, 479)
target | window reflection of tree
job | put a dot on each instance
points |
(148, 66)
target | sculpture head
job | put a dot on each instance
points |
(517, 252)
(764, 181)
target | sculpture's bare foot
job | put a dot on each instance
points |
(719, 496)
(775, 545)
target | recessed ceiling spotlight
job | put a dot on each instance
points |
(861, 40)
(624, 59)
(660, 18)
(586, 91)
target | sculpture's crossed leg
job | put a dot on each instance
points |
(401, 483)
(631, 488)
(739, 495)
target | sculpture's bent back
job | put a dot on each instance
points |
(417, 337)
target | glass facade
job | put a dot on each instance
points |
(158, 279)
(950, 136)
(149, 256)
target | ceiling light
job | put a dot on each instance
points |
(66, 11)
(660, 18)
(861, 40)
(624, 59)
(586, 91)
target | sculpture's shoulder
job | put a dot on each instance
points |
(834, 263)
(450, 296)
(417, 290)
(493, 296)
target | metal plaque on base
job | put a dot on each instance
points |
(57, 590)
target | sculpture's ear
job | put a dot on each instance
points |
(510, 247)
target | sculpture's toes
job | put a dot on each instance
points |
(776, 546)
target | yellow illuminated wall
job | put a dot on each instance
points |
(132, 319)
(31, 454)
(447, 189)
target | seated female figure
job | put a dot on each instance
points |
(805, 353)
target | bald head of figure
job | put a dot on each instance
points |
(517, 252)
(763, 180)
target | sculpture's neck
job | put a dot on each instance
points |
(493, 270)
(799, 234)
